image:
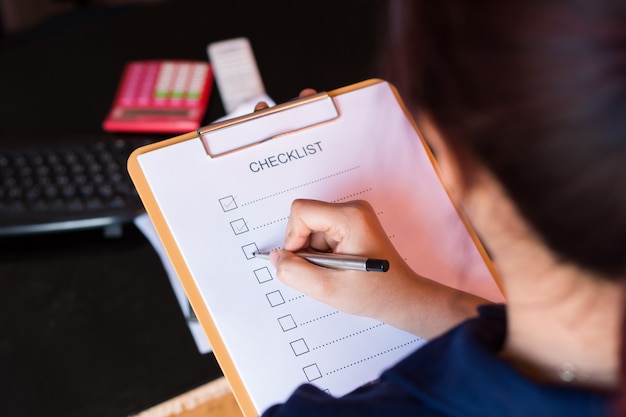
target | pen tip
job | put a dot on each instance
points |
(261, 254)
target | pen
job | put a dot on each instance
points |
(338, 261)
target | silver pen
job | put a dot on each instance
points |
(337, 261)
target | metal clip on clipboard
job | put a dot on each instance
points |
(237, 133)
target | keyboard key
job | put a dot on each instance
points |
(67, 187)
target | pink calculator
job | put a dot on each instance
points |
(161, 97)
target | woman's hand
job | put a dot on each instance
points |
(261, 105)
(399, 297)
(348, 228)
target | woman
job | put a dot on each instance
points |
(524, 105)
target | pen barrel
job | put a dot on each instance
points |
(353, 262)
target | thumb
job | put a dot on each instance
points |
(299, 273)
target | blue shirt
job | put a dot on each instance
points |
(457, 374)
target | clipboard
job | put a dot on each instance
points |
(217, 195)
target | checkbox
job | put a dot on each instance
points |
(287, 323)
(299, 347)
(239, 226)
(228, 203)
(275, 298)
(312, 372)
(263, 275)
(249, 249)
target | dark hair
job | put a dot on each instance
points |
(535, 90)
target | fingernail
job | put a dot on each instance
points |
(260, 106)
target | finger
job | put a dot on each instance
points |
(342, 289)
(308, 217)
(307, 92)
(344, 226)
(302, 275)
(321, 242)
(261, 105)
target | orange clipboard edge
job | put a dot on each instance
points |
(184, 274)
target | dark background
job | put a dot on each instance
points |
(89, 326)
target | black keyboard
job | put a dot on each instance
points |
(62, 188)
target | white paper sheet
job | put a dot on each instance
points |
(144, 224)
(221, 210)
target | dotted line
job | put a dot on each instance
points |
(373, 356)
(348, 336)
(300, 186)
(270, 223)
(351, 196)
(296, 298)
(319, 318)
